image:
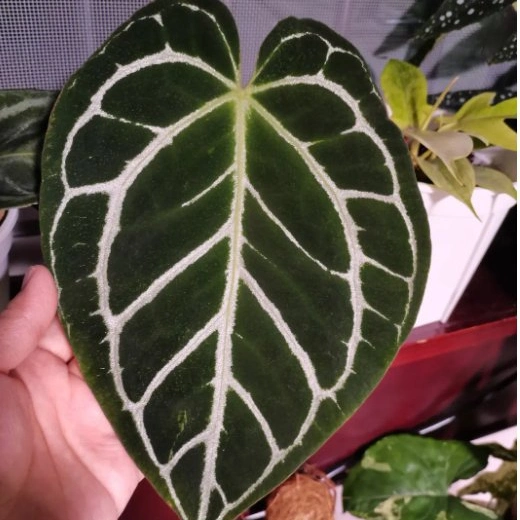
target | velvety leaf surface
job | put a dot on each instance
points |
(237, 266)
(23, 121)
(408, 477)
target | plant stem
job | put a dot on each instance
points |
(438, 102)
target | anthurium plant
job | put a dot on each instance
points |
(441, 144)
(23, 120)
(237, 265)
(409, 476)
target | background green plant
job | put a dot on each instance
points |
(23, 120)
(409, 477)
(491, 40)
(442, 144)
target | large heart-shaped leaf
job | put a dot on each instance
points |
(236, 266)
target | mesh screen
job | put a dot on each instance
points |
(44, 41)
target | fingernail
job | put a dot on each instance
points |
(28, 275)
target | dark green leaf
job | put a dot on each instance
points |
(408, 477)
(248, 259)
(404, 29)
(506, 82)
(477, 47)
(507, 52)
(455, 14)
(454, 100)
(23, 120)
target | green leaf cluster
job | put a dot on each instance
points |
(408, 477)
(442, 145)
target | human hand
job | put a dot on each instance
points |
(59, 457)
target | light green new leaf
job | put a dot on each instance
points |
(448, 146)
(494, 180)
(23, 120)
(480, 119)
(405, 90)
(460, 183)
(408, 477)
(237, 266)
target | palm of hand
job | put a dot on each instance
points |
(60, 458)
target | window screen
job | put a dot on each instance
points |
(44, 41)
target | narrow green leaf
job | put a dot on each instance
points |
(418, 472)
(475, 48)
(405, 90)
(494, 180)
(460, 183)
(480, 119)
(248, 259)
(23, 120)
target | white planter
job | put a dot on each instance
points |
(6, 239)
(459, 241)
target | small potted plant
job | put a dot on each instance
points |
(466, 166)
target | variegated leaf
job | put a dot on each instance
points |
(408, 476)
(455, 14)
(236, 265)
(23, 120)
(508, 51)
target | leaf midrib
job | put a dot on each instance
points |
(224, 376)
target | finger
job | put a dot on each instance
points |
(74, 368)
(55, 341)
(27, 317)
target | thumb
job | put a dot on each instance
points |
(27, 317)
